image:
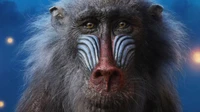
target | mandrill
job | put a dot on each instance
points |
(103, 56)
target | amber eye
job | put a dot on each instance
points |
(122, 25)
(89, 25)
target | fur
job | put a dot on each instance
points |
(56, 82)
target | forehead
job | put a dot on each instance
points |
(106, 8)
(104, 3)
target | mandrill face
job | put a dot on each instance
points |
(104, 56)
(110, 37)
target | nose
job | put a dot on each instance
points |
(110, 74)
(107, 77)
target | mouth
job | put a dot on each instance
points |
(104, 103)
(109, 101)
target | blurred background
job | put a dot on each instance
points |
(15, 15)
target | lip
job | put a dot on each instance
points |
(116, 101)
(103, 103)
(109, 103)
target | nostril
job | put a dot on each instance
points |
(114, 76)
(98, 74)
(109, 75)
(115, 73)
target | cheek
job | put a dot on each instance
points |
(89, 51)
(123, 50)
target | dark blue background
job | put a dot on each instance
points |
(16, 14)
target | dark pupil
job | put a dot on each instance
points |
(122, 24)
(90, 25)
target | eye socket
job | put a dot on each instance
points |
(122, 25)
(89, 25)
